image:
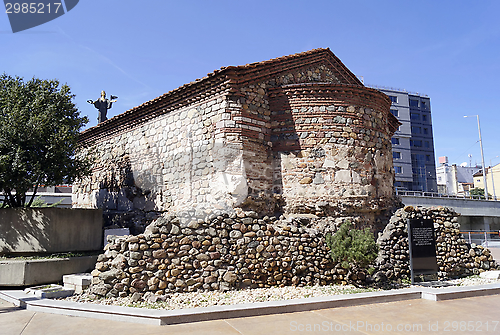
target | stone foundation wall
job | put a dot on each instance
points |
(241, 250)
(220, 252)
(455, 257)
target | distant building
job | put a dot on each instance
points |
(453, 179)
(59, 195)
(412, 144)
(492, 179)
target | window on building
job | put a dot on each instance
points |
(394, 99)
(427, 144)
(395, 141)
(396, 155)
(426, 131)
(423, 104)
(413, 103)
(395, 112)
(424, 118)
(415, 116)
(416, 130)
(416, 143)
(398, 169)
(417, 159)
(427, 158)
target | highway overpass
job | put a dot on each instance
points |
(476, 214)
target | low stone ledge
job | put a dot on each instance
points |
(77, 282)
(171, 317)
(51, 291)
(449, 293)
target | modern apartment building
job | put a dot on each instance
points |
(412, 144)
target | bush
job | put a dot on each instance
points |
(350, 246)
(40, 203)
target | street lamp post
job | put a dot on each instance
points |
(482, 155)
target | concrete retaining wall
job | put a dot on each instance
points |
(42, 271)
(50, 230)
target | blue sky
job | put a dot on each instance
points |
(138, 50)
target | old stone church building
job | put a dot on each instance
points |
(295, 134)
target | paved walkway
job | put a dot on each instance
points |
(496, 253)
(479, 315)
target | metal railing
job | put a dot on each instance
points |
(480, 237)
(440, 195)
(50, 198)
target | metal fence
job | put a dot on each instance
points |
(439, 195)
(485, 238)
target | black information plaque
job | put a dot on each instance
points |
(422, 247)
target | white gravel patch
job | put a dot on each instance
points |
(472, 281)
(216, 298)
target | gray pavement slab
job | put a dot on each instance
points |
(163, 317)
(477, 314)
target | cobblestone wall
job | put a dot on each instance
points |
(220, 252)
(224, 251)
(455, 257)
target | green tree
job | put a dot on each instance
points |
(479, 192)
(39, 128)
(352, 247)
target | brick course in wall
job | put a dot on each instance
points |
(332, 144)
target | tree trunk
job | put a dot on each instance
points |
(32, 196)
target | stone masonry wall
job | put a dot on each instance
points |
(332, 149)
(240, 250)
(220, 252)
(305, 140)
(171, 162)
(251, 126)
(455, 257)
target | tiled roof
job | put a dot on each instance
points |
(226, 79)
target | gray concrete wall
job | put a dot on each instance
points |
(465, 207)
(485, 223)
(50, 230)
(42, 271)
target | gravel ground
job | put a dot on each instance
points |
(216, 298)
